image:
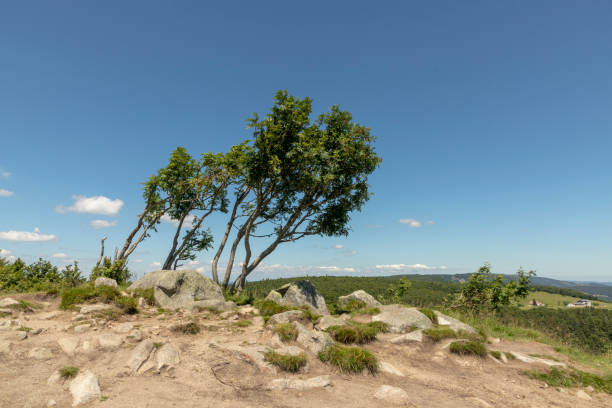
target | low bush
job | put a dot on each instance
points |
(288, 363)
(269, 308)
(558, 377)
(286, 331)
(147, 294)
(359, 333)
(468, 348)
(68, 372)
(243, 323)
(186, 328)
(496, 354)
(430, 314)
(439, 333)
(349, 359)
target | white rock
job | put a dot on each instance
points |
(68, 344)
(84, 388)
(289, 351)
(135, 336)
(389, 369)
(141, 302)
(167, 356)
(583, 395)
(6, 302)
(328, 321)
(391, 394)
(400, 318)
(285, 317)
(296, 384)
(412, 337)
(124, 327)
(140, 354)
(82, 328)
(102, 281)
(313, 340)
(51, 403)
(94, 308)
(590, 389)
(451, 322)
(49, 315)
(40, 353)
(109, 341)
(55, 378)
(534, 360)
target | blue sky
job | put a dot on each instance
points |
(493, 121)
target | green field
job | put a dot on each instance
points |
(558, 301)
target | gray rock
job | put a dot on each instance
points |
(285, 317)
(68, 344)
(583, 395)
(313, 340)
(109, 341)
(167, 356)
(289, 351)
(134, 336)
(7, 302)
(274, 296)
(329, 320)
(391, 394)
(385, 367)
(456, 325)
(124, 327)
(412, 337)
(296, 384)
(82, 328)
(400, 318)
(182, 289)
(359, 296)
(40, 353)
(102, 281)
(536, 360)
(300, 293)
(49, 315)
(94, 308)
(140, 354)
(220, 305)
(84, 388)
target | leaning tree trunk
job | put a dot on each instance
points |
(101, 253)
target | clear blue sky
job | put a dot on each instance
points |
(494, 121)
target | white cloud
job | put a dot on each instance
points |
(5, 174)
(411, 222)
(188, 223)
(60, 255)
(26, 236)
(5, 252)
(399, 267)
(430, 222)
(97, 224)
(138, 261)
(200, 269)
(5, 193)
(156, 265)
(191, 263)
(92, 205)
(336, 269)
(338, 246)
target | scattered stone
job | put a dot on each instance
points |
(102, 281)
(140, 354)
(412, 337)
(142, 302)
(109, 341)
(590, 389)
(359, 296)
(391, 394)
(400, 318)
(493, 340)
(49, 315)
(135, 336)
(215, 304)
(5, 347)
(68, 344)
(248, 310)
(167, 356)
(82, 328)
(300, 293)
(389, 369)
(456, 325)
(40, 353)
(94, 308)
(124, 327)
(296, 384)
(7, 302)
(328, 321)
(84, 388)
(313, 340)
(534, 360)
(56, 378)
(285, 317)
(18, 335)
(51, 403)
(36, 332)
(480, 402)
(86, 347)
(583, 395)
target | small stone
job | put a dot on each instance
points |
(124, 327)
(51, 403)
(590, 389)
(109, 341)
(40, 353)
(82, 328)
(94, 308)
(49, 315)
(389, 369)
(7, 302)
(167, 356)
(412, 337)
(583, 395)
(295, 384)
(68, 344)
(140, 355)
(84, 388)
(55, 378)
(102, 281)
(391, 394)
(141, 302)
(135, 336)
(19, 335)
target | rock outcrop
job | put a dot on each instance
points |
(456, 325)
(183, 289)
(359, 296)
(313, 340)
(84, 388)
(299, 293)
(400, 318)
(102, 281)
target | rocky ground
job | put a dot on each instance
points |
(139, 361)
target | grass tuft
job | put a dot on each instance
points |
(430, 314)
(147, 294)
(359, 333)
(439, 333)
(496, 354)
(288, 363)
(558, 377)
(286, 331)
(25, 306)
(186, 328)
(349, 359)
(509, 356)
(68, 372)
(243, 323)
(468, 348)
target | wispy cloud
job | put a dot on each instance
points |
(98, 224)
(5, 252)
(156, 265)
(92, 205)
(411, 222)
(336, 269)
(188, 223)
(401, 267)
(60, 255)
(338, 246)
(5, 174)
(138, 261)
(26, 236)
(5, 193)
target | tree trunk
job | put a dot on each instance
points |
(101, 253)
(172, 254)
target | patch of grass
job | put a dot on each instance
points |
(496, 354)
(430, 314)
(468, 348)
(25, 329)
(103, 294)
(25, 306)
(558, 377)
(128, 305)
(439, 333)
(243, 323)
(310, 315)
(5, 314)
(544, 356)
(147, 294)
(509, 356)
(464, 334)
(366, 311)
(359, 333)
(68, 372)
(349, 359)
(242, 298)
(104, 398)
(288, 363)
(269, 308)
(286, 331)
(186, 328)
(157, 345)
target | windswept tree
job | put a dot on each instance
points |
(301, 178)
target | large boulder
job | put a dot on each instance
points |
(84, 388)
(183, 289)
(300, 293)
(359, 297)
(313, 340)
(401, 318)
(456, 325)
(102, 281)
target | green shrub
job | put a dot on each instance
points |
(286, 331)
(558, 377)
(468, 348)
(242, 298)
(68, 372)
(354, 332)
(439, 333)
(349, 359)
(186, 328)
(309, 314)
(269, 308)
(127, 304)
(243, 323)
(495, 354)
(87, 293)
(430, 314)
(509, 356)
(147, 294)
(114, 270)
(288, 363)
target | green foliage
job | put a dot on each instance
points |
(243, 323)
(286, 331)
(127, 304)
(25, 306)
(483, 292)
(509, 356)
(242, 298)
(349, 359)
(396, 291)
(17, 276)
(307, 313)
(68, 372)
(439, 333)
(114, 270)
(105, 294)
(495, 354)
(187, 328)
(288, 363)
(468, 348)
(268, 308)
(354, 332)
(147, 294)
(558, 377)
(25, 329)
(430, 314)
